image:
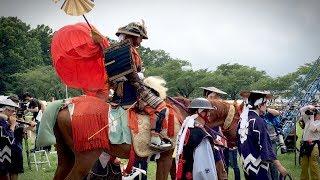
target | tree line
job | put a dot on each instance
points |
(25, 65)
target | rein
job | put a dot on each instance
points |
(178, 103)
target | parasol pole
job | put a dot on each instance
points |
(66, 92)
(87, 21)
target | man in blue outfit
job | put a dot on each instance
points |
(7, 126)
(11, 135)
(254, 143)
(272, 120)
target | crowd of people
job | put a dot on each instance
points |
(259, 138)
(14, 129)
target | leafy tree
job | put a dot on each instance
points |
(42, 82)
(19, 49)
(155, 58)
(44, 35)
(238, 77)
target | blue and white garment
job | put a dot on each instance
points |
(254, 146)
(6, 141)
(273, 125)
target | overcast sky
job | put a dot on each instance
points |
(275, 36)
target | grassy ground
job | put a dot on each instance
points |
(45, 172)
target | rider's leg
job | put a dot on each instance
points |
(156, 117)
(155, 106)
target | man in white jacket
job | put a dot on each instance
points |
(309, 150)
(194, 155)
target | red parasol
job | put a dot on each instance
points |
(77, 59)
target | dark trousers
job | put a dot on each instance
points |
(230, 156)
(272, 168)
(262, 175)
(142, 164)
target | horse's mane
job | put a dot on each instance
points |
(158, 84)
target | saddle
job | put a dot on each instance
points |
(141, 139)
(139, 136)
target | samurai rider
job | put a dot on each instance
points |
(154, 106)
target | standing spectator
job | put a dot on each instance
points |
(254, 143)
(271, 118)
(309, 151)
(10, 140)
(16, 166)
(213, 93)
(7, 126)
(34, 107)
(194, 155)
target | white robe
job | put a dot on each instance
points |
(204, 167)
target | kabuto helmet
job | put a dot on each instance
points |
(200, 103)
(133, 29)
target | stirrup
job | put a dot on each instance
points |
(164, 145)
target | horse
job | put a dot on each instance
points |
(226, 114)
(76, 165)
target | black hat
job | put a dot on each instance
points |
(254, 96)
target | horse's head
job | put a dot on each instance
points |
(227, 116)
(181, 103)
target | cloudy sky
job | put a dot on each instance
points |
(276, 36)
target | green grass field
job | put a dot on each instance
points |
(46, 173)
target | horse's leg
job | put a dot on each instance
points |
(65, 161)
(173, 170)
(84, 161)
(164, 165)
(62, 131)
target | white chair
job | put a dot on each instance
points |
(40, 162)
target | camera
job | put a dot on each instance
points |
(22, 107)
(312, 112)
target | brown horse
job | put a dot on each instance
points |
(225, 115)
(76, 165)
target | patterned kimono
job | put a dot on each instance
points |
(6, 140)
(255, 147)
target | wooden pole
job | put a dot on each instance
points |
(86, 21)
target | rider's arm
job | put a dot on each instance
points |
(136, 59)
